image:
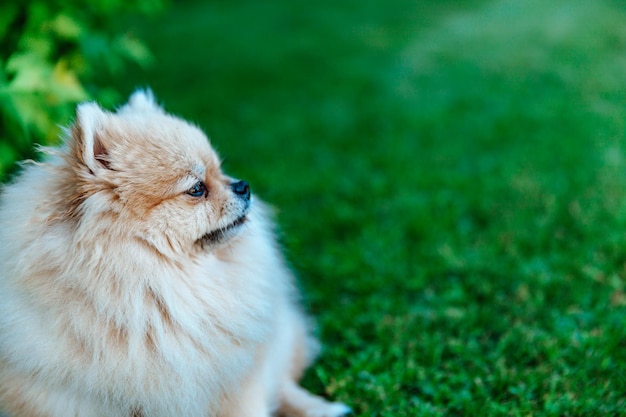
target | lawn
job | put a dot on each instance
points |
(450, 185)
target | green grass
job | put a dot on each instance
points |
(450, 179)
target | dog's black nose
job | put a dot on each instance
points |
(242, 189)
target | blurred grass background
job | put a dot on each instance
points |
(449, 178)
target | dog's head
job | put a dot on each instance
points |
(154, 177)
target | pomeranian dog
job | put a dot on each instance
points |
(138, 280)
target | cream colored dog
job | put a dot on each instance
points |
(136, 279)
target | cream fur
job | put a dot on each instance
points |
(110, 304)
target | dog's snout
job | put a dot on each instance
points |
(242, 189)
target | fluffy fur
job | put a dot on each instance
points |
(137, 279)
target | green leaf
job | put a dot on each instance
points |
(37, 42)
(32, 72)
(134, 49)
(66, 86)
(67, 27)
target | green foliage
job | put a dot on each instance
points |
(50, 53)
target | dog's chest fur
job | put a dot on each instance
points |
(153, 337)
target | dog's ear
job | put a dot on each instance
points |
(89, 137)
(142, 100)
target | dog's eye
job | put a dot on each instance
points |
(198, 190)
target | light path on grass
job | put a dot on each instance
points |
(567, 38)
(571, 42)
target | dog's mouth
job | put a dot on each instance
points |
(223, 233)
